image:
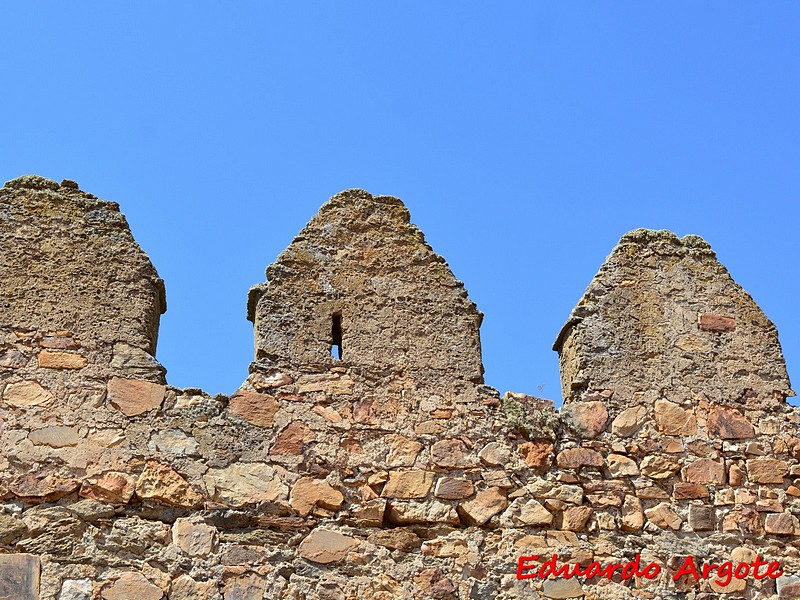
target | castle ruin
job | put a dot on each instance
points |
(364, 456)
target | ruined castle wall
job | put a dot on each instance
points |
(391, 472)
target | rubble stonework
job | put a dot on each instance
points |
(388, 470)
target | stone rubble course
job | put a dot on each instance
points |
(363, 456)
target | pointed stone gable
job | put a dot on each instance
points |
(360, 287)
(79, 299)
(71, 265)
(663, 319)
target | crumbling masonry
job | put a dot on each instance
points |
(364, 457)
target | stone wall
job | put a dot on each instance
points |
(364, 457)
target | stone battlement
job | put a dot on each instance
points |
(364, 456)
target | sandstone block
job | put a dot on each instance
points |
(173, 441)
(587, 419)
(55, 436)
(258, 409)
(76, 589)
(715, 323)
(132, 585)
(622, 466)
(704, 470)
(766, 470)
(702, 517)
(435, 584)
(293, 439)
(632, 514)
(10, 529)
(659, 467)
(193, 538)
(575, 458)
(132, 397)
(412, 512)
(729, 424)
(745, 521)
(325, 547)
(537, 454)
(403, 452)
(451, 454)
(308, 492)
(399, 538)
(19, 576)
(243, 484)
(562, 588)
(781, 524)
(674, 420)
(44, 486)
(453, 488)
(112, 487)
(483, 507)
(629, 421)
(61, 360)
(575, 518)
(530, 512)
(663, 516)
(689, 491)
(494, 454)
(161, 484)
(25, 394)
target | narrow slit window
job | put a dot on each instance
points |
(336, 336)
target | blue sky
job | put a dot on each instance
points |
(525, 138)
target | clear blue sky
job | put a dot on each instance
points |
(525, 138)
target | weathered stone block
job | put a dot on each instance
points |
(19, 576)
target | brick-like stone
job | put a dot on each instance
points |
(453, 488)
(243, 484)
(61, 360)
(292, 439)
(632, 514)
(399, 538)
(562, 588)
(495, 454)
(659, 467)
(689, 491)
(403, 452)
(622, 466)
(715, 323)
(55, 436)
(703, 471)
(702, 517)
(781, 524)
(112, 487)
(575, 518)
(451, 454)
